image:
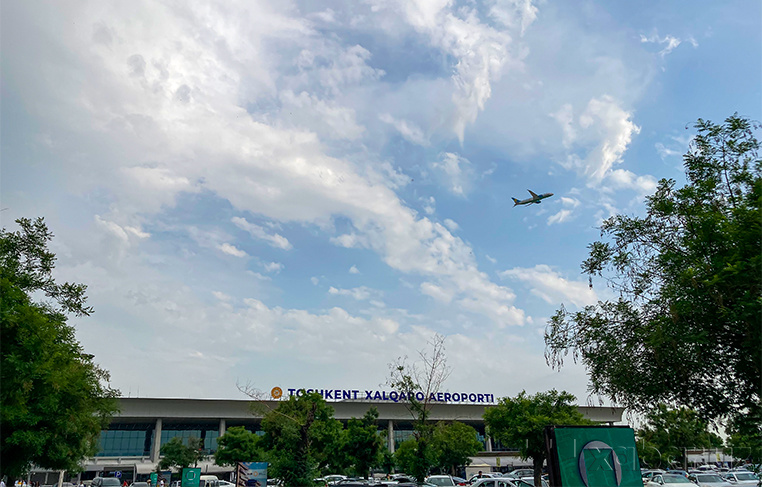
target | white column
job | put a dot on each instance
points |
(390, 430)
(488, 442)
(222, 427)
(156, 441)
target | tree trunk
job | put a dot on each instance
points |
(537, 463)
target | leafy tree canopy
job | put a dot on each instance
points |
(453, 445)
(299, 433)
(54, 400)
(521, 421)
(237, 445)
(179, 455)
(363, 444)
(668, 432)
(687, 328)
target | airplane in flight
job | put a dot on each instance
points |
(536, 198)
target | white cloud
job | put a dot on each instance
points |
(549, 285)
(560, 217)
(314, 280)
(569, 202)
(231, 250)
(669, 42)
(451, 224)
(275, 267)
(259, 232)
(437, 292)
(621, 178)
(603, 124)
(361, 293)
(456, 171)
(408, 130)
(354, 270)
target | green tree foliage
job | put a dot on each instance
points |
(54, 399)
(387, 461)
(416, 386)
(521, 421)
(179, 455)
(687, 327)
(363, 444)
(668, 432)
(453, 444)
(413, 460)
(745, 442)
(237, 445)
(299, 433)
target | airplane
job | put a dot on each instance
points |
(536, 198)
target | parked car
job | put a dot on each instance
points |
(530, 481)
(106, 482)
(332, 479)
(741, 477)
(709, 480)
(665, 479)
(441, 480)
(139, 484)
(520, 472)
(460, 481)
(493, 482)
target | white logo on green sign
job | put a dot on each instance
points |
(600, 446)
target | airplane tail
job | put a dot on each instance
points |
(515, 201)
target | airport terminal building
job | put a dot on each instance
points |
(132, 443)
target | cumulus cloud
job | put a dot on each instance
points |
(261, 233)
(354, 270)
(232, 250)
(551, 286)
(361, 293)
(408, 130)
(604, 130)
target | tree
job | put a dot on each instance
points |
(362, 443)
(237, 445)
(745, 442)
(521, 421)
(297, 434)
(686, 329)
(668, 432)
(416, 386)
(54, 399)
(411, 459)
(177, 454)
(453, 444)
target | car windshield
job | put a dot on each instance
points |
(709, 478)
(441, 481)
(675, 479)
(746, 476)
(111, 482)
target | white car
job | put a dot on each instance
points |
(740, 477)
(667, 480)
(709, 480)
(493, 482)
(441, 480)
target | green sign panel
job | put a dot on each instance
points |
(191, 477)
(593, 456)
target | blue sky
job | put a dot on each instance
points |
(299, 193)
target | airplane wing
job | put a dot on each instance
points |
(534, 195)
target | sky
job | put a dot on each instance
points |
(298, 193)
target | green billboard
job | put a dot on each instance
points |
(191, 477)
(592, 456)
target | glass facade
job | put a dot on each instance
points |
(126, 440)
(207, 432)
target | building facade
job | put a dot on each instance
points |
(132, 443)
